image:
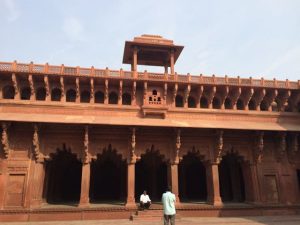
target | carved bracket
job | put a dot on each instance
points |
(175, 92)
(178, 145)
(219, 148)
(62, 86)
(281, 148)
(39, 157)
(31, 85)
(187, 94)
(92, 90)
(4, 140)
(77, 88)
(47, 86)
(259, 147)
(134, 92)
(86, 157)
(15, 83)
(133, 157)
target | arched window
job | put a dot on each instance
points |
(85, 96)
(55, 94)
(25, 93)
(252, 105)
(216, 103)
(154, 92)
(203, 103)
(71, 95)
(8, 92)
(263, 106)
(191, 102)
(126, 99)
(228, 103)
(179, 101)
(113, 98)
(240, 104)
(41, 94)
(99, 97)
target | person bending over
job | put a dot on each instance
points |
(145, 201)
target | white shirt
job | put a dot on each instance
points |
(168, 200)
(145, 198)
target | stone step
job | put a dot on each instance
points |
(149, 215)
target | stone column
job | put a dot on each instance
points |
(130, 201)
(85, 185)
(213, 186)
(256, 198)
(37, 185)
(173, 180)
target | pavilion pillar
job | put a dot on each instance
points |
(37, 185)
(173, 180)
(85, 185)
(134, 62)
(130, 201)
(213, 185)
(172, 62)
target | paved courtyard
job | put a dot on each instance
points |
(269, 220)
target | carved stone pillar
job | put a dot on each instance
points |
(213, 185)
(130, 201)
(37, 185)
(86, 171)
(173, 180)
(85, 185)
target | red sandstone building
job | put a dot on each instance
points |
(83, 143)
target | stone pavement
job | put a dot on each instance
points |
(268, 220)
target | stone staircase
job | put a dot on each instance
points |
(149, 215)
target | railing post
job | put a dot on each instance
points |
(14, 65)
(31, 67)
(62, 69)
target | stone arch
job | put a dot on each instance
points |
(63, 177)
(71, 95)
(126, 99)
(113, 98)
(192, 177)
(151, 174)
(263, 105)
(240, 104)
(216, 103)
(41, 94)
(252, 105)
(178, 101)
(99, 97)
(108, 176)
(25, 93)
(56, 94)
(203, 102)
(231, 177)
(191, 102)
(8, 92)
(85, 96)
(228, 103)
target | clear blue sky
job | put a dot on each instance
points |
(234, 37)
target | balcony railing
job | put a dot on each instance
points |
(15, 67)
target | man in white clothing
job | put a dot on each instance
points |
(168, 200)
(145, 201)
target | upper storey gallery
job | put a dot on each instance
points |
(66, 85)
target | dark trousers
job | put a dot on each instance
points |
(169, 218)
(145, 205)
